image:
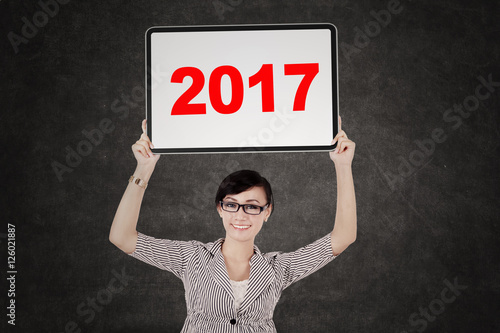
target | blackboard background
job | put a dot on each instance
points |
(438, 223)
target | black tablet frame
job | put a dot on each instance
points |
(245, 27)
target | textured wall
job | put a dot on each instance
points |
(426, 168)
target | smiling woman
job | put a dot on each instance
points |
(231, 286)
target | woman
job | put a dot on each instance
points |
(230, 285)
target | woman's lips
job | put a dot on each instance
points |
(240, 226)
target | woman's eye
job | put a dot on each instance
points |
(230, 205)
(252, 207)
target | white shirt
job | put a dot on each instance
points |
(239, 290)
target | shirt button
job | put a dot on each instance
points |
(233, 321)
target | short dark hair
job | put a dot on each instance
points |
(240, 181)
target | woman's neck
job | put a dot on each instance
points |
(237, 251)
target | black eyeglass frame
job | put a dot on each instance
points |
(262, 208)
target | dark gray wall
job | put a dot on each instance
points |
(427, 218)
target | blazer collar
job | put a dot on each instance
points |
(261, 273)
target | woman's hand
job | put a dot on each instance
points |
(142, 150)
(344, 153)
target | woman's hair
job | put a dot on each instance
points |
(242, 180)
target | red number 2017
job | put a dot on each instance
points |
(264, 76)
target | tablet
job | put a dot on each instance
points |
(242, 88)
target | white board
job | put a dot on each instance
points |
(242, 88)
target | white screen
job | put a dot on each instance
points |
(247, 51)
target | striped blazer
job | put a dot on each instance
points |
(209, 294)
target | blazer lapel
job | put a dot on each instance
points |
(218, 270)
(261, 276)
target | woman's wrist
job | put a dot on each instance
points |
(343, 167)
(143, 172)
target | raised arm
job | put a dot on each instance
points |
(344, 231)
(123, 231)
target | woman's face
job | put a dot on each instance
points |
(239, 225)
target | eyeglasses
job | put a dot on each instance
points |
(233, 207)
